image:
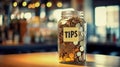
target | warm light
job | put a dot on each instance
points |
(24, 4)
(22, 15)
(28, 15)
(36, 19)
(12, 16)
(50, 24)
(31, 6)
(49, 4)
(1, 22)
(42, 14)
(37, 4)
(59, 4)
(15, 4)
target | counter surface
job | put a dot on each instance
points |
(50, 59)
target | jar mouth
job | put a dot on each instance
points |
(69, 13)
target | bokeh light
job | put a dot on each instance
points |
(24, 4)
(49, 4)
(15, 4)
(37, 4)
(59, 4)
(27, 15)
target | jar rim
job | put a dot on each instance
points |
(69, 12)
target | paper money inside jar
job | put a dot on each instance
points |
(72, 38)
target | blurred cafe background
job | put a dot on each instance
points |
(28, 26)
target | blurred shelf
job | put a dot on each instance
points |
(27, 48)
(103, 48)
(93, 48)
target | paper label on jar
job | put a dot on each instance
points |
(70, 34)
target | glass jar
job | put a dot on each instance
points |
(72, 38)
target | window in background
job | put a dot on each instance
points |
(100, 22)
(100, 16)
(107, 17)
(101, 33)
(112, 16)
(113, 21)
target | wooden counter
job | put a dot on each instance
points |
(50, 59)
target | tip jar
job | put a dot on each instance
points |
(72, 38)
